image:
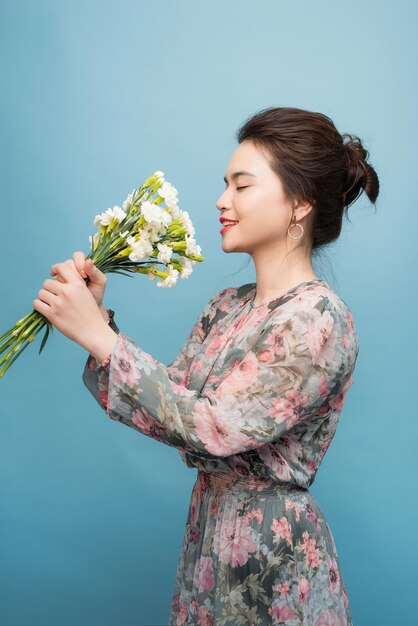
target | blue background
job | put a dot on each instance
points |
(95, 97)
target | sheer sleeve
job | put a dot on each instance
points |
(90, 374)
(179, 367)
(298, 363)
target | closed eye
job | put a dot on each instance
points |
(238, 188)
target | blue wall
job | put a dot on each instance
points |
(95, 97)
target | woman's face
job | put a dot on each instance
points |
(256, 200)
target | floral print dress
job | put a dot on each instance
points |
(252, 401)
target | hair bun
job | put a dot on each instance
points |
(360, 176)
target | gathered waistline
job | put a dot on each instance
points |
(229, 482)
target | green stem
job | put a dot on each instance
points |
(9, 363)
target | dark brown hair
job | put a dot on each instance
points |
(315, 163)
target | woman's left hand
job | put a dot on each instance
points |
(68, 304)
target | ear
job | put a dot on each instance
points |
(302, 209)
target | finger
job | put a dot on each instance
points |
(67, 270)
(79, 261)
(53, 285)
(57, 276)
(41, 307)
(46, 296)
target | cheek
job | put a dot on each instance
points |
(263, 212)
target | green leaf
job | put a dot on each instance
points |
(44, 340)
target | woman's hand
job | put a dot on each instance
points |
(70, 306)
(97, 279)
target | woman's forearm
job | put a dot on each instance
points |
(104, 312)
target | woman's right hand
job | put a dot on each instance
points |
(97, 279)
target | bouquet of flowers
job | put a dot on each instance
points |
(141, 236)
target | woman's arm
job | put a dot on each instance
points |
(179, 367)
(294, 368)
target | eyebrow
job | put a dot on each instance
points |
(240, 173)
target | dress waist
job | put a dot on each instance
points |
(228, 482)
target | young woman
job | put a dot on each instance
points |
(253, 398)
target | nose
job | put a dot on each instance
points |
(220, 203)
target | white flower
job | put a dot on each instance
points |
(174, 210)
(131, 241)
(94, 239)
(127, 203)
(153, 233)
(191, 246)
(125, 234)
(153, 213)
(169, 193)
(159, 174)
(141, 250)
(171, 279)
(105, 218)
(187, 222)
(165, 253)
(187, 268)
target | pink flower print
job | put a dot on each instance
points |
(321, 338)
(233, 541)
(311, 551)
(254, 514)
(289, 504)
(269, 453)
(198, 365)
(303, 589)
(175, 602)
(281, 529)
(337, 401)
(312, 558)
(147, 424)
(175, 372)
(204, 617)
(214, 345)
(225, 304)
(125, 370)
(143, 420)
(311, 467)
(182, 614)
(195, 535)
(204, 579)
(311, 516)
(265, 356)
(241, 376)
(282, 613)
(349, 318)
(275, 341)
(323, 388)
(256, 484)
(180, 389)
(329, 617)
(91, 362)
(290, 447)
(283, 588)
(345, 597)
(220, 433)
(104, 399)
(288, 408)
(333, 575)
